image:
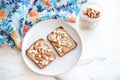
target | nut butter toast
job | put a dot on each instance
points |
(61, 41)
(40, 53)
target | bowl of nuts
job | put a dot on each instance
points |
(90, 15)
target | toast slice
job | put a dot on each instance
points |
(61, 41)
(40, 54)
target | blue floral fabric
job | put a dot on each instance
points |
(18, 16)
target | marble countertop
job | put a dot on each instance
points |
(100, 59)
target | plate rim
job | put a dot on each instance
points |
(70, 67)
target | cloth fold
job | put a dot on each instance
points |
(18, 16)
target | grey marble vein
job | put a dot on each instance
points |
(3, 73)
(57, 78)
(16, 76)
(90, 60)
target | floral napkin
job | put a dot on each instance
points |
(18, 16)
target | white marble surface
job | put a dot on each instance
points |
(100, 58)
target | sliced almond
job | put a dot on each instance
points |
(46, 57)
(51, 58)
(45, 48)
(62, 36)
(46, 62)
(61, 54)
(36, 61)
(39, 59)
(60, 49)
(37, 55)
(43, 56)
(49, 50)
(36, 45)
(98, 14)
(64, 43)
(49, 53)
(69, 44)
(52, 37)
(58, 31)
(33, 55)
(91, 13)
(64, 50)
(58, 45)
(55, 40)
(32, 51)
(42, 63)
(39, 50)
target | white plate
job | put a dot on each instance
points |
(61, 64)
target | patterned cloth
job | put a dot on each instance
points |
(18, 16)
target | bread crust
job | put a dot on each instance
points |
(40, 53)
